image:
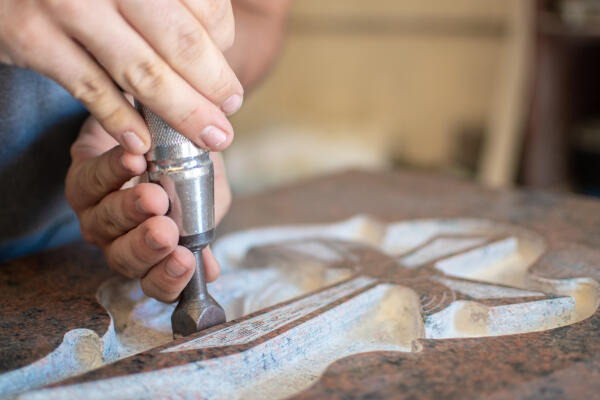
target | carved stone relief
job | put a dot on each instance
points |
(446, 290)
(302, 297)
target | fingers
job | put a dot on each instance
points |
(90, 181)
(123, 210)
(134, 253)
(217, 17)
(141, 71)
(58, 57)
(184, 43)
(211, 265)
(167, 279)
(92, 141)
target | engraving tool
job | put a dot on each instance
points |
(186, 173)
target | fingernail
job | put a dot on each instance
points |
(232, 104)
(153, 243)
(133, 142)
(213, 137)
(174, 269)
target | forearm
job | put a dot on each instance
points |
(259, 26)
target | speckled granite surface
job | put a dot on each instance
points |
(44, 296)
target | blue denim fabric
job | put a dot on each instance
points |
(38, 122)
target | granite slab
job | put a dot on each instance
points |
(354, 285)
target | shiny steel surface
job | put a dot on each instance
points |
(185, 172)
(167, 143)
(187, 175)
(197, 310)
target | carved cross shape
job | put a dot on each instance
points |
(452, 278)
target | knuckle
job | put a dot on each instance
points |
(224, 86)
(107, 221)
(186, 116)
(118, 265)
(145, 77)
(111, 223)
(190, 44)
(161, 291)
(90, 90)
(95, 179)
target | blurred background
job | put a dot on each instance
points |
(504, 92)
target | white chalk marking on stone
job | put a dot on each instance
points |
(439, 248)
(485, 291)
(466, 264)
(253, 328)
(383, 318)
(464, 319)
(289, 362)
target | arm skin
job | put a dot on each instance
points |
(259, 26)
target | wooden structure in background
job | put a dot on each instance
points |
(500, 155)
(564, 96)
(372, 84)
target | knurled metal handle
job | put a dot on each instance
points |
(167, 143)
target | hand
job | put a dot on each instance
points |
(166, 53)
(128, 223)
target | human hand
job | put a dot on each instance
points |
(128, 222)
(166, 53)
